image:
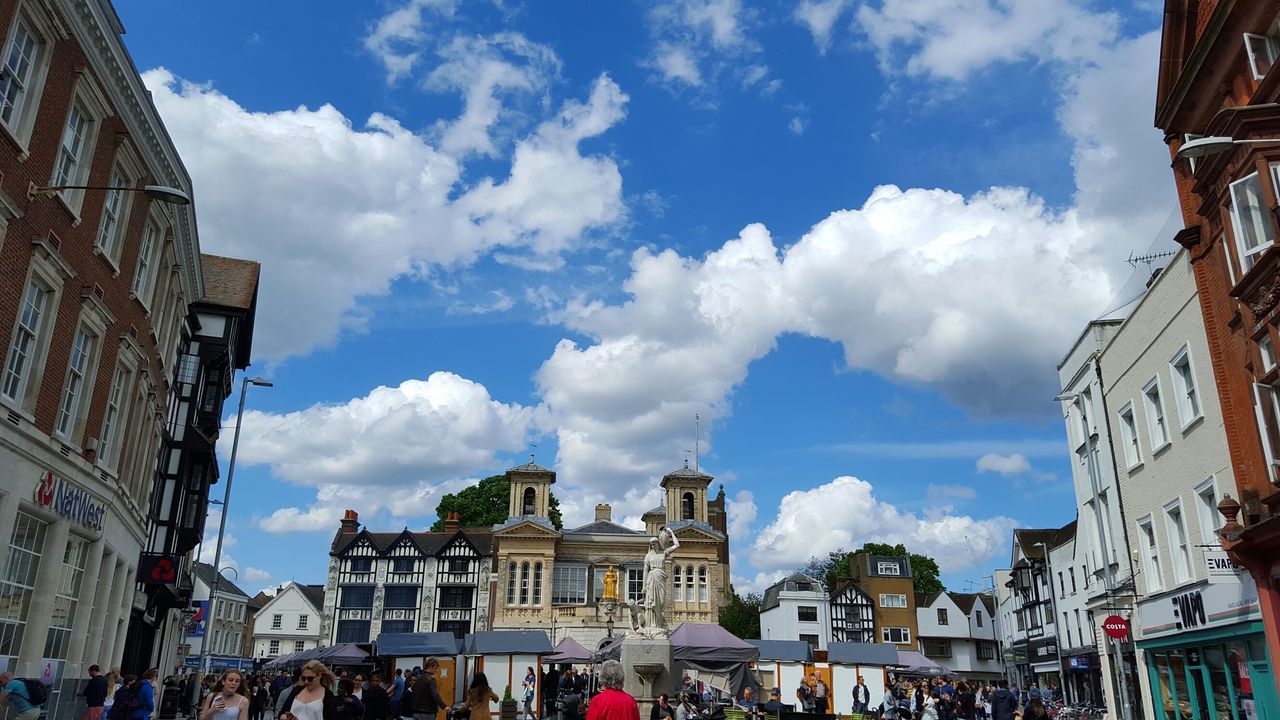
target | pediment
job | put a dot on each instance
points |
(694, 532)
(528, 529)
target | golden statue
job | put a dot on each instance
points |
(610, 585)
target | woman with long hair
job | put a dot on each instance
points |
(478, 697)
(529, 683)
(349, 706)
(313, 697)
(229, 699)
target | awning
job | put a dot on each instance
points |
(916, 664)
(784, 650)
(343, 654)
(507, 642)
(569, 651)
(847, 653)
(417, 644)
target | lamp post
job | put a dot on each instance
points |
(162, 193)
(202, 667)
(1214, 144)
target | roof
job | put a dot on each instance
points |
(964, 601)
(507, 642)
(204, 572)
(430, 542)
(257, 602)
(569, 650)
(314, 594)
(531, 467)
(924, 600)
(417, 644)
(773, 593)
(989, 603)
(229, 282)
(1030, 539)
(660, 510)
(793, 650)
(848, 653)
(843, 584)
(603, 527)
(686, 473)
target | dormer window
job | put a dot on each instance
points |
(361, 565)
(888, 567)
(686, 506)
(1263, 50)
(530, 504)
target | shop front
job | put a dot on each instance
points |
(1045, 670)
(1206, 654)
(1015, 663)
(1083, 678)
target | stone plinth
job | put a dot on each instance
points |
(647, 662)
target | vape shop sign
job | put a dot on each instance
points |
(1206, 605)
(70, 501)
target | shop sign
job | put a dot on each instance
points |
(1222, 569)
(1116, 627)
(1204, 606)
(158, 569)
(1078, 662)
(1045, 650)
(70, 501)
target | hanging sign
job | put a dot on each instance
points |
(1116, 627)
(70, 501)
(1222, 569)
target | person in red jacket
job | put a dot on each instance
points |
(613, 703)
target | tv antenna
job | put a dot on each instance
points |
(1148, 259)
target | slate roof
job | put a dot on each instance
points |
(989, 603)
(229, 282)
(924, 600)
(773, 593)
(964, 601)
(314, 594)
(661, 510)
(257, 602)
(430, 542)
(531, 467)
(204, 571)
(1029, 539)
(603, 527)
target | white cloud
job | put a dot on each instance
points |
(698, 41)
(396, 38)
(351, 209)
(797, 125)
(741, 510)
(292, 519)
(1015, 464)
(820, 16)
(676, 64)
(255, 575)
(845, 513)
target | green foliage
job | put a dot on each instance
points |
(741, 616)
(506, 694)
(924, 569)
(485, 504)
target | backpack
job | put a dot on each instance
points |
(126, 702)
(36, 693)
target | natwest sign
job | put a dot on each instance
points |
(1116, 627)
(70, 501)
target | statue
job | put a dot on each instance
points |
(649, 618)
(610, 585)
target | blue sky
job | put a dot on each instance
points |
(854, 237)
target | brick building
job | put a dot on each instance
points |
(1218, 79)
(887, 581)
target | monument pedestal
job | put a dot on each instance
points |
(647, 662)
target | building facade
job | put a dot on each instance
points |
(796, 608)
(1218, 78)
(1200, 638)
(406, 582)
(1080, 668)
(225, 631)
(886, 580)
(1029, 622)
(93, 292)
(958, 631)
(288, 622)
(551, 580)
(853, 613)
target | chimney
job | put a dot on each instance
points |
(604, 512)
(350, 523)
(452, 521)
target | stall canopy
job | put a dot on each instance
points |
(417, 644)
(343, 654)
(569, 651)
(705, 648)
(784, 650)
(507, 642)
(847, 653)
(916, 664)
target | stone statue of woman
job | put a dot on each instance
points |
(655, 581)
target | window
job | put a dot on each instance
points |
(27, 341)
(66, 598)
(686, 506)
(1267, 353)
(361, 565)
(635, 584)
(811, 639)
(937, 647)
(688, 583)
(456, 598)
(299, 645)
(986, 650)
(977, 619)
(893, 601)
(403, 565)
(569, 584)
(530, 505)
(112, 418)
(807, 613)
(1207, 508)
(79, 367)
(355, 596)
(1249, 220)
(702, 584)
(1267, 408)
(25, 60)
(537, 584)
(1150, 555)
(1066, 629)
(888, 567)
(303, 621)
(524, 583)
(942, 617)
(1184, 387)
(403, 596)
(144, 273)
(1129, 437)
(71, 152)
(356, 631)
(1071, 572)
(1178, 545)
(1262, 51)
(511, 583)
(459, 565)
(1156, 427)
(1062, 586)
(277, 621)
(677, 584)
(111, 225)
(896, 635)
(273, 648)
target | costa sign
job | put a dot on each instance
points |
(1116, 627)
(70, 501)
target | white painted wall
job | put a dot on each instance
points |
(783, 622)
(291, 605)
(963, 632)
(230, 616)
(844, 677)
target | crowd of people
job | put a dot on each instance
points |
(944, 699)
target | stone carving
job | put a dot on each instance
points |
(649, 617)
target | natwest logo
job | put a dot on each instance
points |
(69, 501)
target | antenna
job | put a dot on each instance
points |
(686, 459)
(1148, 259)
(697, 438)
(533, 447)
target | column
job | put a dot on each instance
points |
(8, 518)
(37, 630)
(101, 594)
(87, 606)
(109, 616)
(122, 615)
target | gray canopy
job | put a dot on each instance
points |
(850, 653)
(417, 644)
(784, 650)
(569, 651)
(706, 648)
(506, 642)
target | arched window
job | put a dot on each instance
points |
(702, 584)
(511, 583)
(677, 578)
(537, 584)
(530, 505)
(689, 591)
(524, 584)
(686, 506)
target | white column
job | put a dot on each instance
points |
(101, 595)
(109, 615)
(87, 606)
(125, 609)
(8, 519)
(41, 608)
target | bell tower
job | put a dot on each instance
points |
(530, 490)
(686, 492)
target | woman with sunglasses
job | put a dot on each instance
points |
(228, 700)
(314, 698)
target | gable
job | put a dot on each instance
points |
(406, 546)
(525, 527)
(459, 546)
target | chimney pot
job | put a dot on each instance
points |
(350, 523)
(452, 521)
(604, 512)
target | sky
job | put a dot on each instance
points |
(853, 237)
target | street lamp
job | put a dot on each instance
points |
(202, 666)
(161, 193)
(1215, 144)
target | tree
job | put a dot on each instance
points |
(830, 568)
(741, 616)
(924, 569)
(485, 504)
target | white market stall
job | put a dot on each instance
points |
(410, 650)
(782, 665)
(503, 656)
(851, 660)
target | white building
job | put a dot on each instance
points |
(1077, 641)
(958, 631)
(289, 622)
(1173, 464)
(225, 631)
(1031, 649)
(796, 608)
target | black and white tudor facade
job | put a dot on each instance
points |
(406, 582)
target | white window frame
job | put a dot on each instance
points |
(886, 634)
(1157, 423)
(889, 567)
(1209, 518)
(1266, 407)
(273, 648)
(1186, 392)
(1129, 437)
(87, 98)
(1260, 221)
(299, 645)
(115, 415)
(1150, 555)
(78, 384)
(1175, 528)
(303, 620)
(145, 272)
(126, 172)
(580, 569)
(1267, 353)
(1261, 47)
(37, 21)
(48, 270)
(893, 600)
(277, 621)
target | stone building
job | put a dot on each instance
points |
(551, 579)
